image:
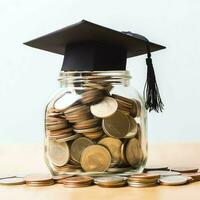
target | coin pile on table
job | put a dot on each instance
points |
(139, 180)
(98, 132)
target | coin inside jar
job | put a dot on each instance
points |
(95, 158)
(114, 147)
(78, 146)
(133, 128)
(117, 126)
(58, 153)
(133, 152)
(107, 107)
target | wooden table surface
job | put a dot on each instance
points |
(23, 159)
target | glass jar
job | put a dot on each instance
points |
(95, 124)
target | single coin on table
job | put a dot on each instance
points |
(58, 153)
(114, 147)
(95, 158)
(117, 126)
(12, 181)
(173, 180)
(106, 108)
(78, 146)
(185, 169)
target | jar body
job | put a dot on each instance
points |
(95, 124)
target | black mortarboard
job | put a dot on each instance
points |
(90, 47)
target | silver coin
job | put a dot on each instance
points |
(173, 180)
(164, 173)
(12, 181)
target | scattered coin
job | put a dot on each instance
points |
(58, 153)
(185, 169)
(95, 158)
(194, 176)
(114, 147)
(105, 108)
(12, 181)
(78, 146)
(117, 126)
(173, 180)
(165, 173)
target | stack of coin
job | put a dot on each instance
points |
(98, 132)
(78, 181)
(38, 180)
(143, 180)
(111, 181)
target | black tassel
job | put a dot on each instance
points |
(151, 92)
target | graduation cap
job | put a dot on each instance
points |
(90, 47)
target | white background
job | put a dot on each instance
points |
(29, 76)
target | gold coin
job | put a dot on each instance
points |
(133, 128)
(117, 126)
(58, 137)
(114, 147)
(60, 132)
(54, 119)
(144, 176)
(133, 152)
(87, 124)
(58, 153)
(56, 127)
(12, 181)
(78, 146)
(123, 154)
(68, 138)
(95, 158)
(107, 107)
(40, 184)
(88, 130)
(94, 135)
